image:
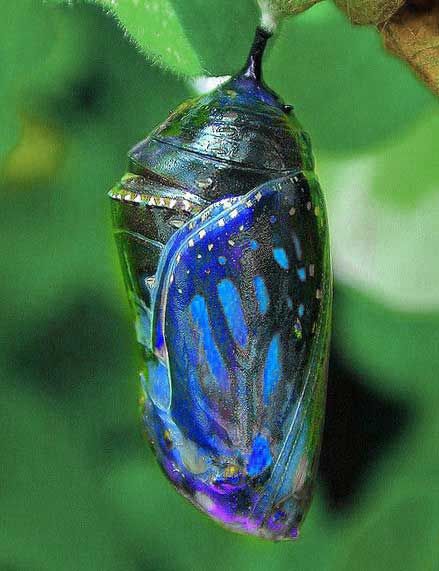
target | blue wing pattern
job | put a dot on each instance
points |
(238, 342)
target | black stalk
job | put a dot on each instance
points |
(253, 66)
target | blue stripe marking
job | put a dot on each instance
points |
(281, 258)
(260, 457)
(273, 367)
(301, 272)
(232, 307)
(214, 360)
(262, 296)
(159, 339)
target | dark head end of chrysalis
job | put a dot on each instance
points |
(241, 122)
(252, 71)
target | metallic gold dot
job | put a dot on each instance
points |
(230, 471)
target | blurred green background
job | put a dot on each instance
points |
(79, 487)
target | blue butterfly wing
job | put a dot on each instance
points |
(239, 326)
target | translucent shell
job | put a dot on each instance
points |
(236, 338)
(223, 239)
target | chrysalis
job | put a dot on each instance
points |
(222, 232)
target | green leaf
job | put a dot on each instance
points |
(395, 349)
(53, 511)
(221, 31)
(401, 534)
(345, 87)
(189, 37)
(156, 28)
(131, 99)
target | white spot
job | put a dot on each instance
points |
(204, 501)
(292, 211)
(221, 222)
(202, 233)
(151, 201)
(258, 196)
(234, 213)
(269, 15)
(172, 203)
(150, 282)
(209, 247)
(249, 203)
(311, 270)
(205, 83)
(176, 222)
(231, 242)
(191, 243)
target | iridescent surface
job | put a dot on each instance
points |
(226, 260)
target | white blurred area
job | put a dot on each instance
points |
(205, 83)
(385, 229)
